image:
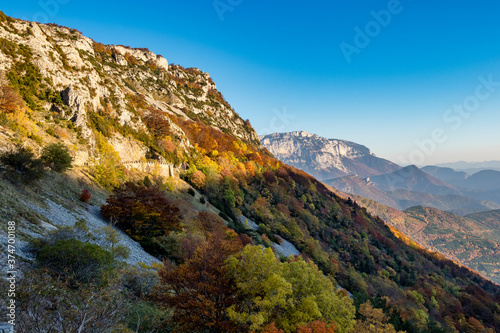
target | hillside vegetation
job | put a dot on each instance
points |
(473, 240)
(112, 104)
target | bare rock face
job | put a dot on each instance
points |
(129, 149)
(75, 101)
(143, 55)
(120, 59)
(325, 158)
(161, 62)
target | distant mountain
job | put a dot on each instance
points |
(447, 175)
(463, 239)
(457, 204)
(489, 219)
(486, 180)
(472, 167)
(325, 158)
(353, 168)
(402, 199)
(411, 178)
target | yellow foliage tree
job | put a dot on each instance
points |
(108, 170)
(291, 294)
(261, 288)
(314, 297)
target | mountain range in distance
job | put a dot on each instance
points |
(471, 167)
(353, 168)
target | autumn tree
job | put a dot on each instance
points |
(208, 223)
(142, 212)
(314, 297)
(157, 122)
(10, 101)
(85, 195)
(200, 290)
(372, 320)
(108, 170)
(198, 179)
(271, 328)
(101, 48)
(260, 286)
(474, 326)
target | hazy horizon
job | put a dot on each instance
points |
(416, 82)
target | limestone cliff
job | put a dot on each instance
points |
(325, 158)
(86, 82)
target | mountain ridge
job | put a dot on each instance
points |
(325, 158)
(412, 178)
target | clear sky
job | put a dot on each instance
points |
(414, 80)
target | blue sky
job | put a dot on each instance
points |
(281, 64)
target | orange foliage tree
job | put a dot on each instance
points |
(142, 212)
(200, 290)
(198, 179)
(157, 122)
(10, 100)
(271, 328)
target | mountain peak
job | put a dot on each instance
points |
(412, 167)
(325, 158)
(413, 179)
(304, 134)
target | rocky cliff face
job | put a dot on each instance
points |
(121, 84)
(325, 158)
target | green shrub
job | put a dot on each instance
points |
(22, 166)
(76, 261)
(50, 131)
(36, 138)
(57, 157)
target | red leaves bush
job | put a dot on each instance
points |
(85, 196)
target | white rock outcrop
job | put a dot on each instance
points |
(325, 158)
